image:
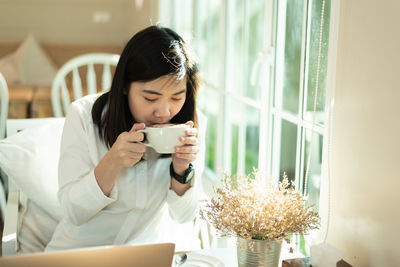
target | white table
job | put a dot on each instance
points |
(229, 258)
(225, 255)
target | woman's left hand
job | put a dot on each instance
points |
(186, 153)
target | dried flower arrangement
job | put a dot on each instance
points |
(250, 208)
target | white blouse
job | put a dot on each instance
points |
(134, 211)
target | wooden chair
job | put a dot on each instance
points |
(4, 106)
(71, 67)
(3, 119)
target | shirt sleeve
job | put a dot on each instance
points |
(80, 196)
(186, 207)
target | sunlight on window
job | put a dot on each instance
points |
(258, 62)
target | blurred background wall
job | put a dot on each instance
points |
(66, 28)
(365, 134)
(95, 22)
(61, 30)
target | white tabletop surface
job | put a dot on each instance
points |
(227, 257)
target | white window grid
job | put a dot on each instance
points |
(272, 78)
(270, 64)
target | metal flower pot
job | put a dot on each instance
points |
(257, 253)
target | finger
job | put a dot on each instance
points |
(191, 131)
(136, 147)
(191, 140)
(134, 137)
(134, 155)
(137, 126)
(189, 157)
(190, 123)
(187, 149)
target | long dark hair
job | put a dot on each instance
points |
(151, 53)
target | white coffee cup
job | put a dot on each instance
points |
(164, 137)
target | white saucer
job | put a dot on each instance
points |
(200, 260)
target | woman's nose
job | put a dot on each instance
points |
(162, 110)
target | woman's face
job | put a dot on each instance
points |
(157, 101)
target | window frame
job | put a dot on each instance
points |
(270, 64)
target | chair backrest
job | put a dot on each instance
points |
(88, 60)
(4, 106)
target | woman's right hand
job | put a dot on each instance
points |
(125, 152)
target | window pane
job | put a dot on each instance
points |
(252, 138)
(207, 41)
(234, 147)
(255, 45)
(284, 148)
(313, 62)
(287, 97)
(184, 22)
(211, 136)
(314, 173)
(208, 104)
(237, 59)
(247, 43)
(244, 137)
(231, 136)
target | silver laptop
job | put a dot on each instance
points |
(149, 255)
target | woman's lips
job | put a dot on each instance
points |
(157, 122)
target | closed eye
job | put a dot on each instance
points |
(149, 99)
(176, 99)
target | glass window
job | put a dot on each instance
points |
(210, 110)
(256, 42)
(263, 66)
(252, 118)
(284, 148)
(312, 165)
(207, 41)
(290, 33)
(317, 59)
(299, 96)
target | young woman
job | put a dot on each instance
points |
(113, 189)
